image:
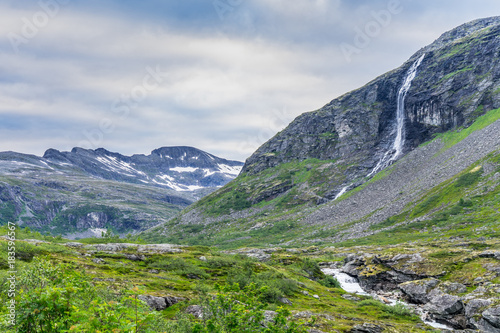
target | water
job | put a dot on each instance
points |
(342, 192)
(399, 141)
(347, 282)
(351, 285)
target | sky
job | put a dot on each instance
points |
(223, 76)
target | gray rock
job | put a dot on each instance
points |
(103, 280)
(161, 302)
(473, 306)
(285, 300)
(73, 244)
(452, 288)
(418, 291)
(492, 268)
(444, 304)
(155, 303)
(134, 257)
(366, 328)
(195, 310)
(269, 317)
(492, 316)
(98, 261)
(490, 254)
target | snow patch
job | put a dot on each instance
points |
(231, 170)
(184, 169)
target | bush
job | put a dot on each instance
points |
(221, 262)
(330, 282)
(58, 298)
(312, 269)
(469, 178)
(276, 285)
(399, 309)
(235, 309)
(178, 266)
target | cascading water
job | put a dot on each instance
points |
(351, 285)
(397, 147)
(399, 141)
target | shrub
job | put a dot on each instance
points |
(235, 309)
(469, 178)
(221, 262)
(330, 282)
(275, 284)
(312, 268)
(58, 298)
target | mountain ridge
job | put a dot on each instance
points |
(84, 192)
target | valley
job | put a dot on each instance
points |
(395, 185)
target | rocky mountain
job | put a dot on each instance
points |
(382, 157)
(84, 192)
(176, 168)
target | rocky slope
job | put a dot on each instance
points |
(289, 188)
(84, 192)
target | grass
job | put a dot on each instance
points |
(278, 278)
(451, 138)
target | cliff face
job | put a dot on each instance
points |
(457, 81)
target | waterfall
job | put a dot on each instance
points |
(351, 285)
(341, 192)
(399, 141)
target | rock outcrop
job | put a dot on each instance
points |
(445, 302)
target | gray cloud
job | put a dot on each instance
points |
(225, 82)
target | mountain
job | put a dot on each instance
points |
(176, 168)
(84, 192)
(392, 154)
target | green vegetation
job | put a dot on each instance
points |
(453, 137)
(455, 208)
(61, 289)
(450, 75)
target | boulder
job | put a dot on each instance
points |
(134, 257)
(269, 317)
(452, 288)
(492, 316)
(366, 328)
(418, 291)
(155, 303)
(73, 244)
(161, 302)
(490, 254)
(195, 310)
(473, 306)
(285, 300)
(445, 304)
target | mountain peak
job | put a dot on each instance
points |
(462, 31)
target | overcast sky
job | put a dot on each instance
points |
(223, 76)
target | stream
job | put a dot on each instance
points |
(351, 285)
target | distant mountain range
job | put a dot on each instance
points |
(177, 168)
(74, 192)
